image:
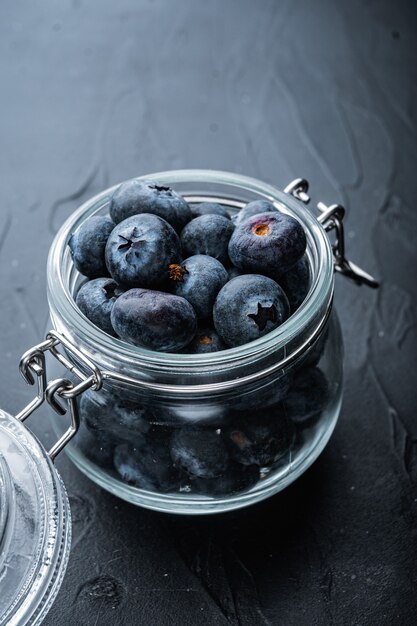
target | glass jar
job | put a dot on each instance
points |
(247, 420)
(35, 526)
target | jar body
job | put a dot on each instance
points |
(261, 437)
(187, 434)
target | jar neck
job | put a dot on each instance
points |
(277, 347)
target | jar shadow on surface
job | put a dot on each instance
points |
(205, 433)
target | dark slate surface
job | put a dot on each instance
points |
(96, 92)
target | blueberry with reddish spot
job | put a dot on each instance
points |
(254, 208)
(209, 208)
(146, 196)
(205, 341)
(296, 283)
(199, 452)
(96, 299)
(154, 319)
(249, 307)
(261, 438)
(208, 234)
(308, 395)
(140, 250)
(269, 243)
(88, 243)
(198, 279)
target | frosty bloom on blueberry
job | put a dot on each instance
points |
(268, 243)
(96, 299)
(248, 307)
(145, 196)
(140, 249)
(209, 208)
(254, 208)
(154, 320)
(198, 279)
(88, 243)
(208, 234)
(246, 274)
(296, 283)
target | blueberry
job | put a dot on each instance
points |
(307, 396)
(296, 283)
(317, 349)
(148, 466)
(205, 341)
(261, 438)
(269, 243)
(208, 234)
(104, 412)
(208, 208)
(96, 447)
(259, 397)
(154, 320)
(234, 271)
(145, 196)
(198, 279)
(249, 307)
(87, 245)
(199, 452)
(140, 250)
(238, 478)
(254, 208)
(96, 299)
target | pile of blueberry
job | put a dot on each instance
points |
(173, 277)
(149, 451)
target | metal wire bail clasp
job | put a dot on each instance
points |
(331, 218)
(33, 364)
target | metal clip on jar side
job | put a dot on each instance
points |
(331, 218)
(33, 364)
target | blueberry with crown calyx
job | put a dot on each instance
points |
(140, 250)
(248, 307)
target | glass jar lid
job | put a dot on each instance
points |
(35, 526)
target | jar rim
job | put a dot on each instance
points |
(65, 311)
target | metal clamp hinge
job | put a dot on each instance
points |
(331, 218)
(33, 367)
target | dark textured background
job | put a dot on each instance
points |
(96, 92)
